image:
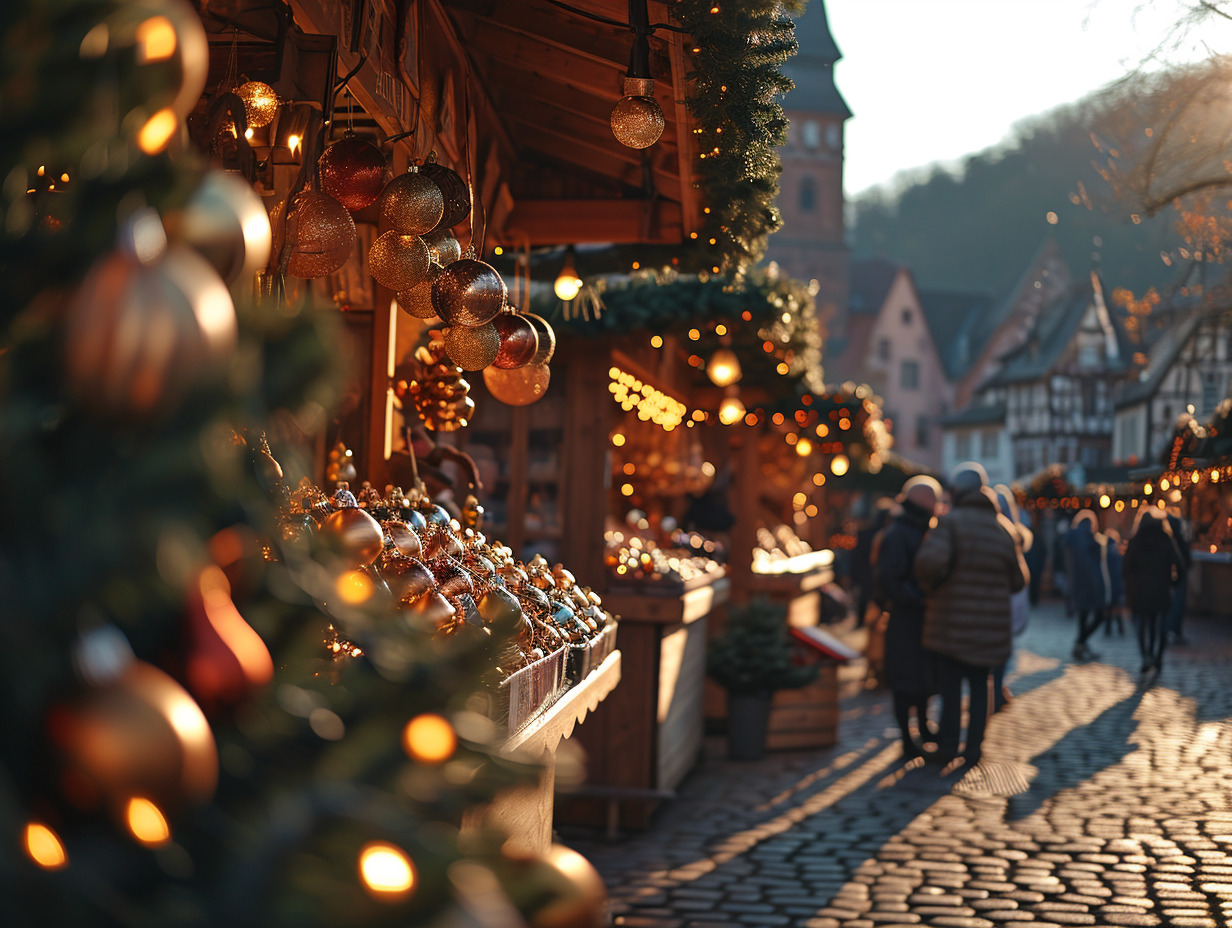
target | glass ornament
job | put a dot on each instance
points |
(411, 203)
(472, 348)
(519, 341)
(260, 102)
(519, 387)
(547, 339)
(637, 119)
(353, 171)
(444, 248)
(398, 261)
(454, 190)
(416, 300)
(321, 232)
(226, 222)
(468, 293)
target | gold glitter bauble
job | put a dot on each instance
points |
(637, 119)
(260, 103)
(453, 188)
(321, 233)
(472, 348)
(519, 387)
(468, 293)
(444, 248)
(416, 300)
(398, 261)
(547, 339)
(411, 203)
(353, 171)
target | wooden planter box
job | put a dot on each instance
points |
(806, 717)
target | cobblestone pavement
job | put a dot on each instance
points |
(1102, 800)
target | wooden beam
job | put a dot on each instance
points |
(686, 141)
(551, 222)
(599, 44)
(550, 63)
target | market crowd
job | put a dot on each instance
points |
(948, 587)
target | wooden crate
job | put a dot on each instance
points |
(806, 717)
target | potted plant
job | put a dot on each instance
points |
(752, 658)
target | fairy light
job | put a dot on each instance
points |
(656, 341)
(1105, 501)
(651, 405)
(386, 871)
(839, 465)
(44, 847)
(819, 480)
(429, 738)
(146, 822)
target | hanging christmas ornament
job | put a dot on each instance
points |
(321, 233)
(398, 261)
(558, 889)
(353, 171)
(170, 44)
(637, 119)
(472, 348)
(519, 341)
(145, 324)
(547, 339)
(452, 579)
(341, 464)
(260, 103)
(416, 300)
(226, 660)
(353, 537)
(140, 734)
(444, 248)
(411, 203)
(227, 223)
(456, 194)
(402, 537)
(519, 387)
(408, 577)
(468, 293)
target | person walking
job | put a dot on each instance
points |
(1019, 602)
(1114, 582)
(906, 666)
(1180, 592)
(968, 565)
(1152, 563)
(1087, 594)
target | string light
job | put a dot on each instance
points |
(650, 404)
(429, 738)
(146, 822)
(385, 870)
(44, 847)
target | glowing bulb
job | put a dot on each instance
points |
(158, 131)
(1147, 490)
(249, 133)
(568, 284)
(804, 447)
(724, 368)
(626, 489)
(1164, 484)
(656, 341)
(354, 587)
(731, 410)
(429, 738)
(293, 143)
(156, 40)
(386, 870)
(1105, 501)
(839, 465)
(146, 822)
(44, 847)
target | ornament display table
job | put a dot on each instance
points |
(525, 813)
(643, 740)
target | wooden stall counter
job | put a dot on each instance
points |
(526, 813)
(643, 740)
(1209, 586)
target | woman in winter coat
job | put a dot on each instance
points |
(1152, 563)
(1087, 594)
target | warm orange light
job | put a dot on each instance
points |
(626, 489)
(782, 368)
(822, 430)
(630, 469)
(839, 465)
(1147, 490)
(44, 847)
(724, 368)
(618, 439)
(220, 611)
(1105, 501)
(354, 587)
(155, 40)
(819, 480)
(1164, 484)
(656, 341)
(158, 131)
(386, 871)
(429, 738)
(147, 822)
(804, 447)
(293, 143)
(731, 410)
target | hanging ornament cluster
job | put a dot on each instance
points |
(320, 231)
(353, 171)
(436, 390)
(260, 103)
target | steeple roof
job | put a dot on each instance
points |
(813, 67)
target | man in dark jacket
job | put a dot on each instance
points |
(968, 565)
(907, 671)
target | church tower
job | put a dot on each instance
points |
(812, 242)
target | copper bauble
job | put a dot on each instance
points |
(468, 292)
(408, 578)
(456, 193)
(411, 203)
(226, 222)
(435, 515)
(398, 261)
(452, 579)
(353, 536)
(445, 249)
(576, 890)
(501, 610)
(260, 103)
(321, 233)
(139, 735)
(518, 341)
(138, 336)
(417, 300)
(403, 537)
(472, 349)
(637, 119)
(520, 387)
(432, 609)
(547, 338)
(353, 171)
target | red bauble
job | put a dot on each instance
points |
(518, 341)
(227, 661)
(353, 172)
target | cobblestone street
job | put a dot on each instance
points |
(1101, 801)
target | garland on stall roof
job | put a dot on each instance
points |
(735, 91)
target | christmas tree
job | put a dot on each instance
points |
(207, 720)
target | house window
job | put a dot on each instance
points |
(962, 446)
(909, 375)
(921, 431)
(883, 349)
(906, 317)
(990, 444)
(812, 134)
(808, 195)
(1211, 390)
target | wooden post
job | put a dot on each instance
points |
(583, 460)
(746, 488)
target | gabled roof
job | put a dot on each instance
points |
(952, 316)
(813, 67)
(990, 414)
(1161, 355)
(868, 284)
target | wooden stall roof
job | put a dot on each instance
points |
(535, 82)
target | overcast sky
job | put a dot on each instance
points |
(934, 80)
